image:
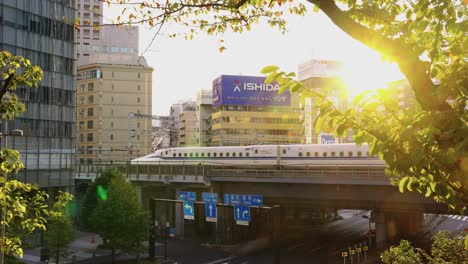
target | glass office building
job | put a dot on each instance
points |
(42, 31)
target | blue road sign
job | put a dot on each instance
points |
(211, 212)
(171, 232)
(210, 197)
(243, 199)
(189, 212)
(242, 214)
(188, 196)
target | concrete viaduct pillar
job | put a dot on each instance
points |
(179, 216)
(390, 226)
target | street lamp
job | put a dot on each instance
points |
(4, 136)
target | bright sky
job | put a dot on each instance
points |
(183, 67)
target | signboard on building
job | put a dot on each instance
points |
(247, 90)
(327, 139)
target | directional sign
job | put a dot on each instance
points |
(344, 254)
(242, 214)
(210, 197)
(188, 196)
(365, 248)
(211, 212)
(358, 250)
(171, 232)
(243, 199)
(189, 210)
(352, 252)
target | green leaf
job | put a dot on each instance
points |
(402, 184)
(269, 69)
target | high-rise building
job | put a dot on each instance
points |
(247, 111)
(187, 128)
(42, 31)
(321, 76)
(175, 111)
(203, 112)
(107, 92)
(88, 36)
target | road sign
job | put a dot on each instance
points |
(171, 232)
(242, 214)
(358, 250)
(210, 197)
(243, 199)
(352, 252)
(189, 212)
(344, 254)
(211, 212)
(365, 248)
(188, 196)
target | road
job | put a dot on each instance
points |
(324, 244)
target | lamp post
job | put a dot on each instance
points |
(4, 136)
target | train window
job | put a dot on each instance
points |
(341, 153)
(191, 154)
(208, 154)
(316, 154)
(324, 154)
(333, 153)
(214, 154)
(185, 154)
(196, 154)
(220, 154)
(203, 154)
(166, 152)
(173, 155)
(227, 154)
(247, 154)
(180, 154)
(367, 154)
(308, 154)
(300, 154)
(240, 154)
(359, 153)
(284, 151)
(350, 154)
(256, 151)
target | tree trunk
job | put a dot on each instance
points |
(113, 256)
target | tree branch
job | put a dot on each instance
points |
(408, 62)
(5, 86)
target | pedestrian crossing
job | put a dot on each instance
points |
(458, 217)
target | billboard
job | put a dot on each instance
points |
(327, 139)
(247, 90)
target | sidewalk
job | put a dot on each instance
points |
(83, 248)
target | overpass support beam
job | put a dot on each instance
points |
(179, 216)
(380, 229)
(390, 226)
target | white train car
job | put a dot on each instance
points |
(264, 155)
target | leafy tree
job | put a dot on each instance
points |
(120, 219)
(95, 192)
(424, 145)
(403, 253)
(24, 207)
(445, 249)
(60, 233)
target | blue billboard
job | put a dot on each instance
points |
(247, 90)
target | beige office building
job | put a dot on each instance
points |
(106, 94)
(188, 129)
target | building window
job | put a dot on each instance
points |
(138, 87)
(112, 124)
(111, 137)
(86, 45)
(89, 150)
(81, 113)
(89, 137)
(138, 99)
(90, 99)
(138, 125)
(115, 49)
(81, 138)
(90, 87)
(112, 99)
(82, 88)
(90, 124)
(81, 99)
(124, 49)
(95, 48)
(139, 76)
(90, 111)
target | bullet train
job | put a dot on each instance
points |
(264, 155)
